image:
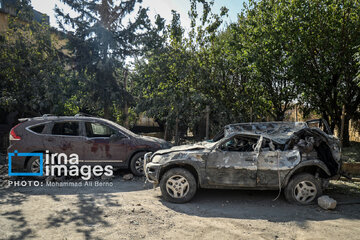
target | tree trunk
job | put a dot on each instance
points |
(166, 131)
(346, 135)
(177, 140)
(107, 114)
(126, 109)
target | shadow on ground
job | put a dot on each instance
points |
(246, 204)
(87, 210)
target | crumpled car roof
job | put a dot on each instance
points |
(278, 131)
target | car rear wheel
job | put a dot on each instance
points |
(303, 189)
(33, 165)
(178, 185)
(137, 164)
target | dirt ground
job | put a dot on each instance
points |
(133, 210)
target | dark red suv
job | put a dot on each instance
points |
(95, 140)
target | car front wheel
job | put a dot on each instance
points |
(178, 185)
(303, 189)
(137, 164)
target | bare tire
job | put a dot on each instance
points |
(33, 165)
(303, 189)
(137, 164)
(178, 185)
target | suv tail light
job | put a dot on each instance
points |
(13, 135)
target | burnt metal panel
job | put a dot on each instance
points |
(231, 168)
(275, 165)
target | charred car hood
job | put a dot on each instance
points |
(185, 148)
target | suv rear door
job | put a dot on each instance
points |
(65, 137)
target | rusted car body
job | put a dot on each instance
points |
(95, 140)
(251, 155)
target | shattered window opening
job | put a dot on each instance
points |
(240, 144)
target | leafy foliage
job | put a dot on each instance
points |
(33, 80)
(99, 41)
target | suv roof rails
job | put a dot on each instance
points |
(83, 115)
(23, 119)
(48, 115)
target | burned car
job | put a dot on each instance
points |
(96, 141)
(290, 156)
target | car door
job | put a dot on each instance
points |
(231, 165)
(64, 137)
(104, 144)
(273, 164)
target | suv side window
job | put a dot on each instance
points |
(98, 130)
(66, 128)
(37, 128)
(240, 144)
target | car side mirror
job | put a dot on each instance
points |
(116, 136)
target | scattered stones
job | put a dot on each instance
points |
(327, 202)
(128, 176)
(104, 177)
(5, 184)
(5, 177)
(50, 179)
(60, 179)
(134, 222)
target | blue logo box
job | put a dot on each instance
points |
(15, 153)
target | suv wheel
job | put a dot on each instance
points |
(178, 185)
(137, 164)
(303, 189)
(33, 165)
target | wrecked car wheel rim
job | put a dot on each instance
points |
(305, 192)
(139, 165)
(177, 186)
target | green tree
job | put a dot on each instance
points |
(304, 50)
(326, 34)
(100, 40)
(33, 80)
(265, 46)
(163, 81)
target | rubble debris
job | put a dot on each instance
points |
(134, 222)
(128, 176)
(5, 184)
(104, 177)
(50, 179)
(327, 202)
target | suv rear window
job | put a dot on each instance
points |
(37, 128)
(66, 128)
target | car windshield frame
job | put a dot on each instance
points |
(121, 128)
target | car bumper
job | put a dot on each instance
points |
(17, 162)
(152, 170)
